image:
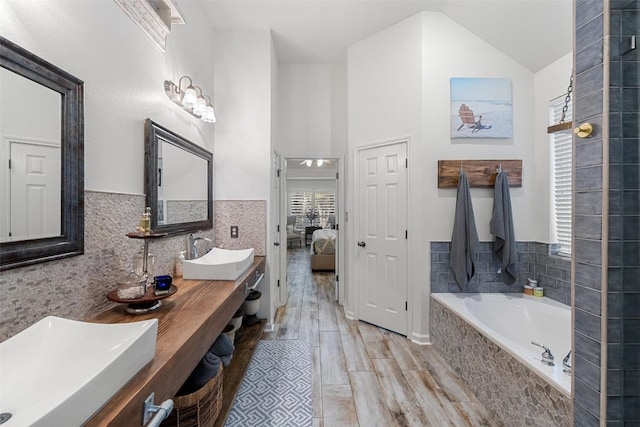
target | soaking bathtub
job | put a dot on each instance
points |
(487, 338)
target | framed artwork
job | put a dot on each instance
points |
(481, 108)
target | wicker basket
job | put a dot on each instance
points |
(200, 408)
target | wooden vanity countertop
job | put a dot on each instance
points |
(188, 324)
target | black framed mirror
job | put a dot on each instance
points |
(20, 248)
(178, 177)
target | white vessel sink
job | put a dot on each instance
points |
(218, 264)
(59, 372)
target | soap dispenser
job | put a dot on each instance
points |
(179, 263)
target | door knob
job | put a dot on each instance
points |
(276, 243)
(584, 130)
(362, 244)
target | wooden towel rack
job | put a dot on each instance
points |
(481, 173)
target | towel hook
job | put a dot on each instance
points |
(460, 171)
(500, 168)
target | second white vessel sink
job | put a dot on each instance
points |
(218, 264)
(59, 372)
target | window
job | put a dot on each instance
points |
(561, 149)
(312, 207)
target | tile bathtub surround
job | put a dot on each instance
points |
(487, 278)
(251, 218)
(552, 272)
(513, 393)
(75, 288)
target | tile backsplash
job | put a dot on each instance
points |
(551, 271)
(251, 218)
(75, 287)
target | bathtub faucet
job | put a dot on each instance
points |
(547, 357)
(566, 364)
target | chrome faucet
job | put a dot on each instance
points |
(566, 364)
(192, 249)
(547, 357)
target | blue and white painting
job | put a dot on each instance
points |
(481, 108)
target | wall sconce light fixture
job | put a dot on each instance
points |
(189, 99)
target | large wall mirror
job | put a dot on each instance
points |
(41, 137)
(178, 178)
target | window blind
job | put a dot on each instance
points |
(304, 202)
(561, 153)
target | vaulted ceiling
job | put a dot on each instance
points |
(534, 33)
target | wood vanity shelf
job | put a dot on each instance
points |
(188, 324)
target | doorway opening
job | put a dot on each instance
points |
(311, 211)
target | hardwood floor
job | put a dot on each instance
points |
(364, 375)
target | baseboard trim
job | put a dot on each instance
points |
(420, 339)
(350, 314)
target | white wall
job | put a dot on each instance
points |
(312, 100)
(123, 73)
(550, 82)
(311, 172)
(276, 260)
(184, 176)
(243, 86)
(243, 105)
(28, 109)
(479, 60)
(465, 55)
(385, 93)
(311, 184)
(399, 86)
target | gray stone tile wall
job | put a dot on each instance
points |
(76, 287)
(551, 271)
(623, 287)
(590, 201)
(186, 210)
(607, 183)
(251, 218)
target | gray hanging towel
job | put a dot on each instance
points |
(464, 241)
(501, 227)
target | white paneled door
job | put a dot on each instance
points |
(277, 296)
(35, 191)
(381, 236)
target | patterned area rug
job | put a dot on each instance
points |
(276, 389)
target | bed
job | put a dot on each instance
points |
(323, 249)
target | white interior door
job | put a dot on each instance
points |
(382, 236)
(276, 230)
(35, 191)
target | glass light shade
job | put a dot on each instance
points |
(174, 96)
(190, 99)
(201, 107)
(209, 116)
